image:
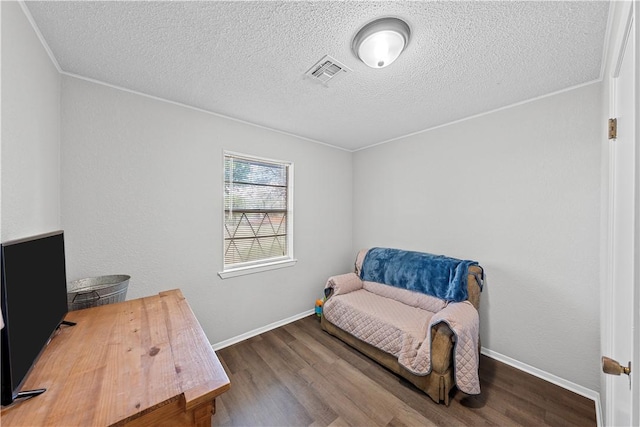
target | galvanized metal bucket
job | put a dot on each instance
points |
(95, 291)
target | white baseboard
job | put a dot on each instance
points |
(251, 334)
(561, 382)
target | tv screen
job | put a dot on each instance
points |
(34, 303)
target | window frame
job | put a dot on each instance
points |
(266, 264)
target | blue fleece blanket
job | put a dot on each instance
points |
(435, 275)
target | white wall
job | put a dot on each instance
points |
(142, 195)
(517, 190)
(30, 190)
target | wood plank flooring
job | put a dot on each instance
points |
(298, 375)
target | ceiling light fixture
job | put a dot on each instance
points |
(380, 42)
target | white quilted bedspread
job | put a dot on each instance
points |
(401, 330)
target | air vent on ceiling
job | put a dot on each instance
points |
(326, 69)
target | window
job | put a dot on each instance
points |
(258, 217)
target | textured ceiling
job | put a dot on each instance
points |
(247, 60)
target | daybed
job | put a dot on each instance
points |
(414, 313)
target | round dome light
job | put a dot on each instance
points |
(380, 42)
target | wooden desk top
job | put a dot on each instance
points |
(119, 362)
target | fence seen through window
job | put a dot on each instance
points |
(255, 210)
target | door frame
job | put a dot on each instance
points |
(629, 13)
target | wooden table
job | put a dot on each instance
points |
(143, 362)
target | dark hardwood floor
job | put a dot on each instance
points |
(298, 375)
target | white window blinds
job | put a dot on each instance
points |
(256, 210)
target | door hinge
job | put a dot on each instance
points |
(613, 128)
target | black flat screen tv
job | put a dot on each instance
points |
(34, 304)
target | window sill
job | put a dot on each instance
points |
(241, 271)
